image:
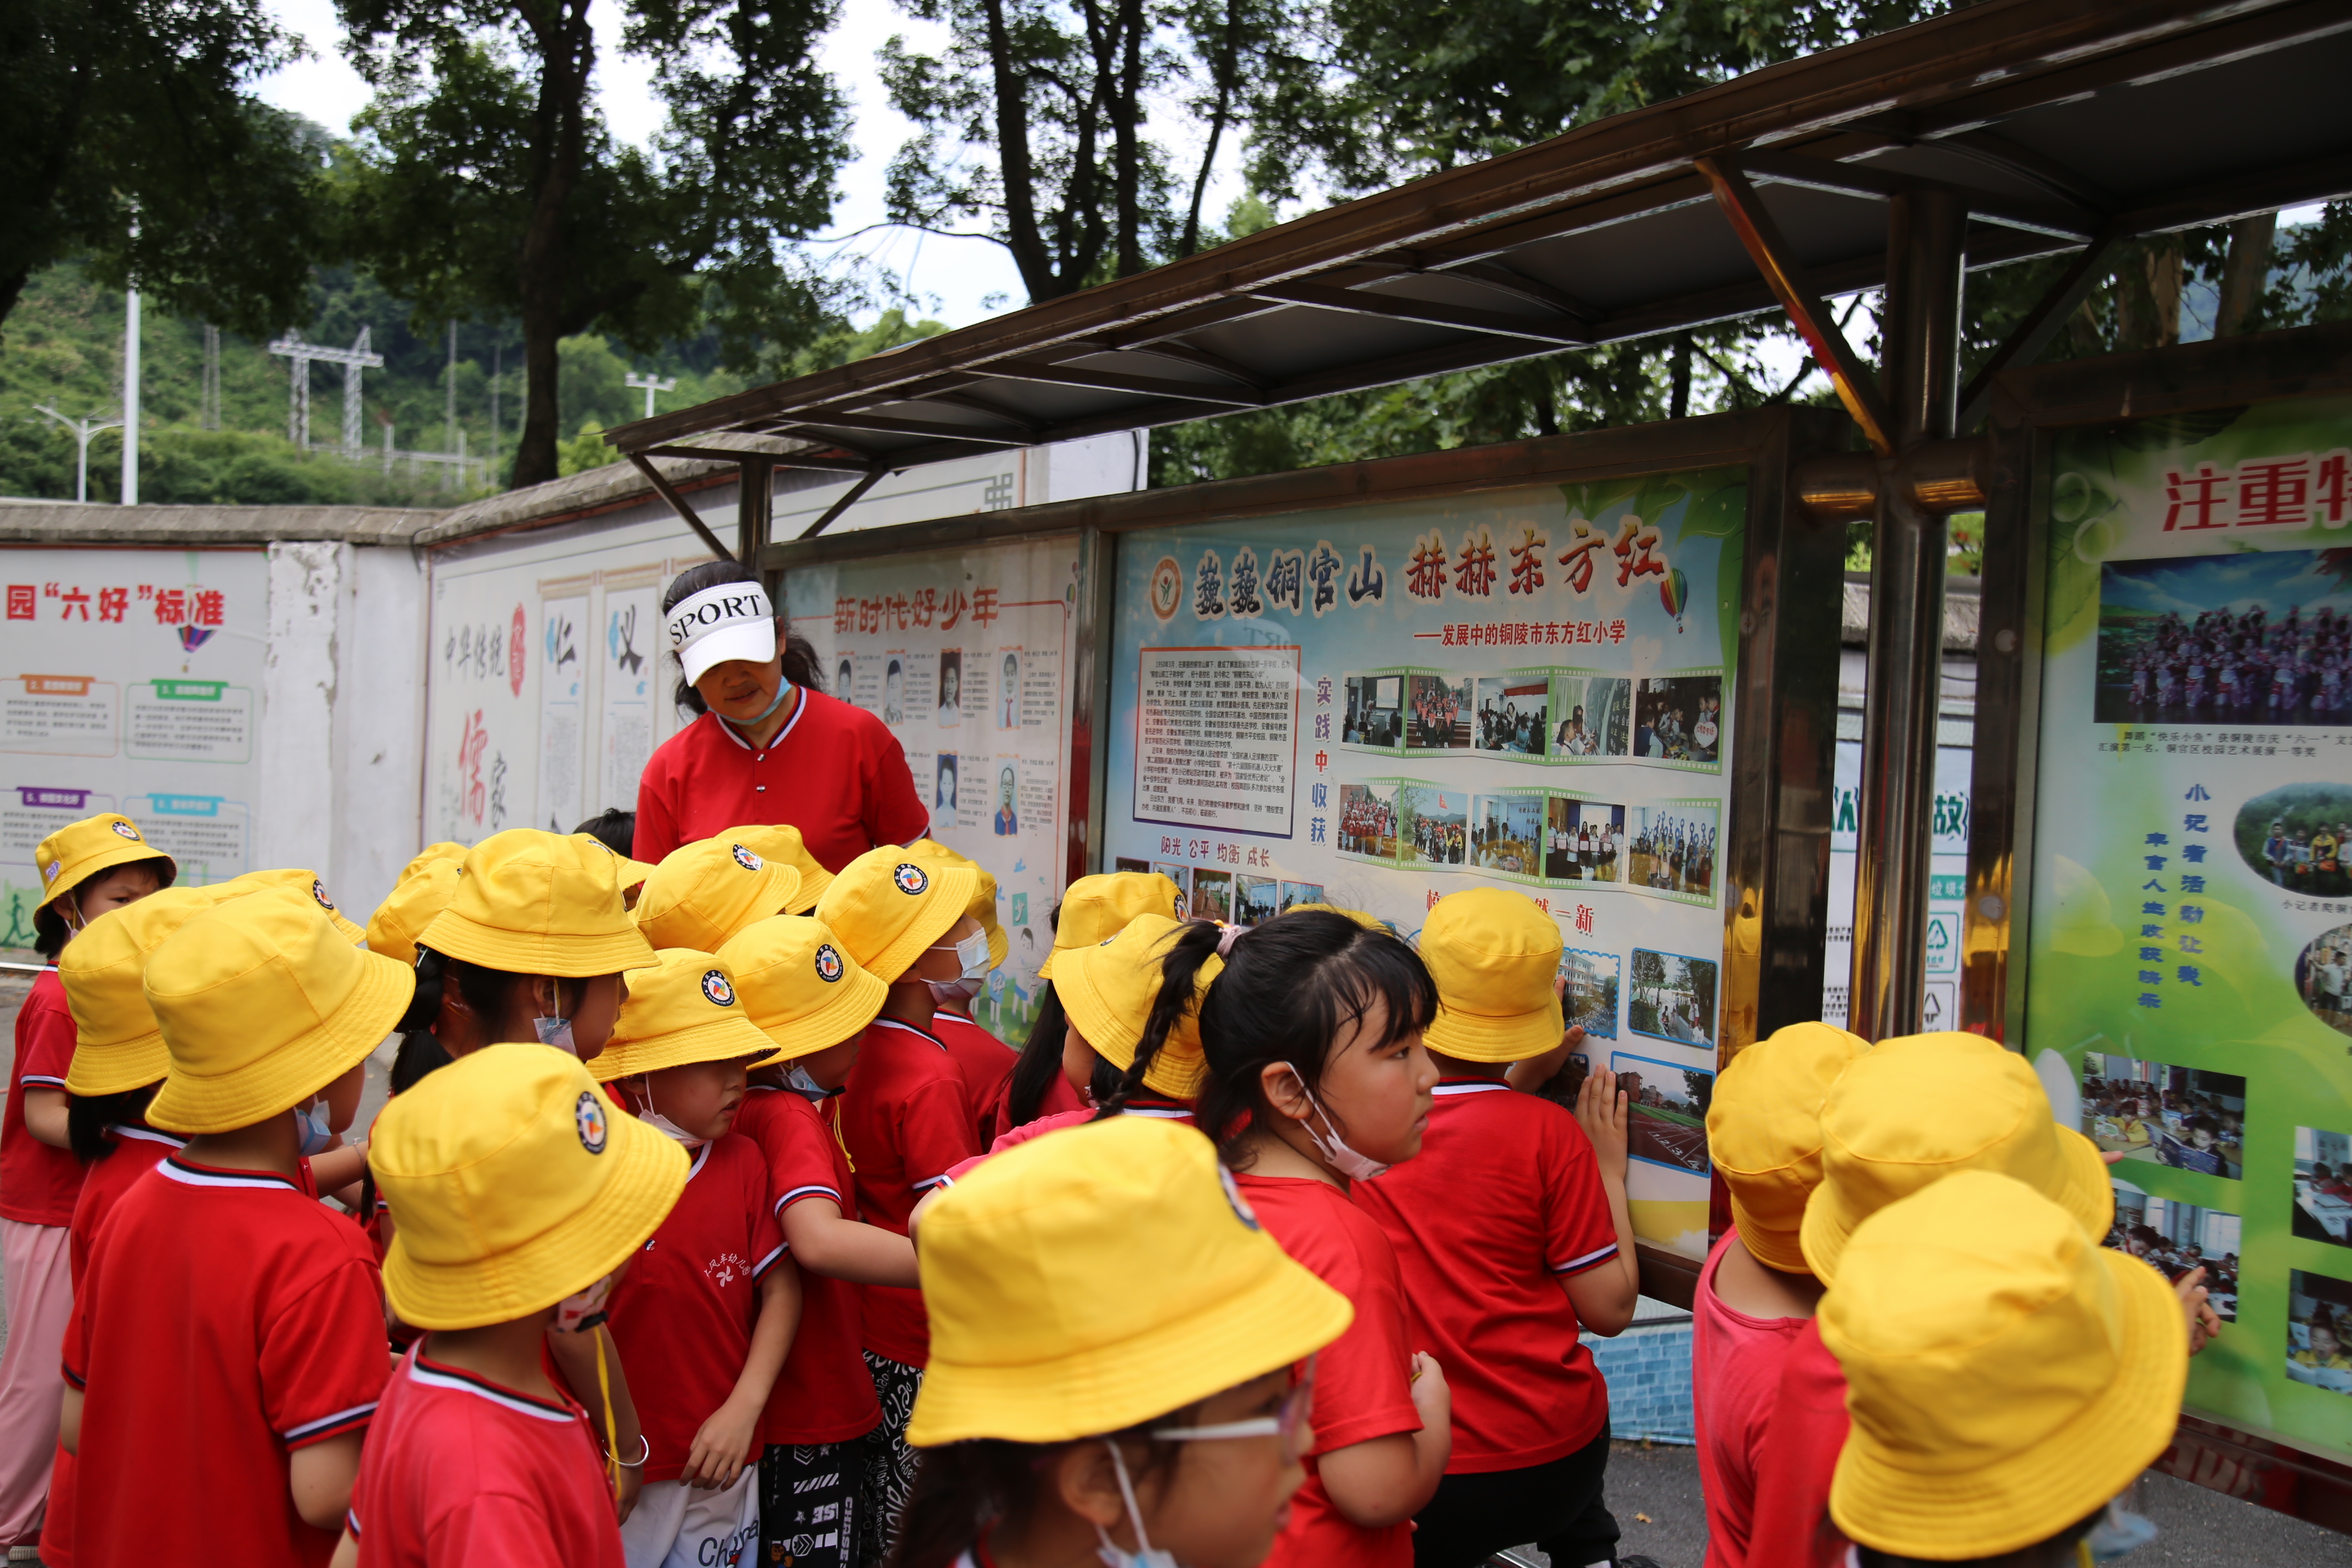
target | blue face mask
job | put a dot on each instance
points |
(783, 690)
(797, 1080)
(317, 1136)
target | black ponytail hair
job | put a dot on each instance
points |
(1288, 988)
(421, 1051)
(1039, 1062)
(88, 1116)
(799, 653)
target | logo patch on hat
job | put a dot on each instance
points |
(588, 1116)
(318, 891)
(51, 874)
(910, 877)
(715, 987)
(828, 963)
(1242, 1211)
(127, 831)
(745, 858)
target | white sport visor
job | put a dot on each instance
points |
(733, 620)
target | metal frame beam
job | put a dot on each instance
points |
(686, 514)
(847, 498)
(1427, 312)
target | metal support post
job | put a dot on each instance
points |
(1926, 236)
(755, 503)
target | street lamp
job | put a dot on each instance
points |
(651, 387)
(83, 429)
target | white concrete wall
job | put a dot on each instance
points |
(379, 736)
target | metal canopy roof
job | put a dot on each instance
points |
(2062, 124)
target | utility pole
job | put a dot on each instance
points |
(451, 445)
(210, 415)
(359, 356)
(83, 429)
(497, 373)
(130, 397)
(651, 387)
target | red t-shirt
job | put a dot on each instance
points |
(1140, 1105)
(985, 1061)
(224, 1321)
(1503, 1203)
(1059, 1100)
(38, 1183)
(682, 1315)
(1362, 1379)
(1735, 1366)
(824, 1395)
(461, 1471)
(832, 771)
(904, 1116)
(1799, 1449)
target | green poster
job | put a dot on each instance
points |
(2190, 1000)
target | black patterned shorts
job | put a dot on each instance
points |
(811, 1512)
(889, 1462)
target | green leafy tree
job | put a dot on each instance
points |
(485, 182)
(116, 111)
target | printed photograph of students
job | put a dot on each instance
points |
(1435, 822)
(2183, 1117)
(1598, 717)
(1312, 1032)
(1296, 893)
(1673, 848)
(2299, 837)
(1514, 714)
(1008, 694)
(1212, 894)
(2261, 639)
(2177, 1238)
(799, 985)
(1512, 1234)
(1164, 1419)
(894, 693)
(1672, 997)
(1007, 821)
(951, 713)
(1581, 840)
(2319, 1330)
(524, 1194)
(1505, 832)
(1678, 717)
(1441, 714)
(1254, 900)
(2323, 1185)
(706, 1312)
(88, 869)
(2323, 978)
(1372, 714)
(904, 1118)
(1368, 820)
(251, 1446)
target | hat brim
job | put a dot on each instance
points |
(1283, 1318)
(2083, 1191)
(1488, 1037)
(720, 1041)
(845, 1016)
(649, 1174)
(813, 887)
(952, 888)
(1045, 967)
(999, 946)
(118, 1067)
(456, 936)
(1774, 1248)
(128, 852)
(295, 1072)
(1913, 1510)
(754, 641)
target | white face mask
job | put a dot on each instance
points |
(663, 1125)
(1356, 1167)
(1114, 1555)
(579, 1313)
(954, 993)
(971, 953)
(556, 1032)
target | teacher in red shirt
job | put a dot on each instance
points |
(768, 746)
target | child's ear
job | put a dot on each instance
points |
(1086, 1483)
(1284, 1090)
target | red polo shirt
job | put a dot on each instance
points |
(1362, 1379)
(824, 1395)
(1058, 1099)
(985, 1061)
(1800, 1447)
(1140, 1105)
(682, 1315)
(224, 1321)
(38, 1183)
(904, 1116)
(1736, 1362)
(832, 771)
(461, 1471)
(1503, 1202)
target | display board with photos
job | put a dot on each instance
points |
(1379, 704)
(2189, 985)
(965, 654)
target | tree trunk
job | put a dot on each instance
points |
(2147, 296)
(1678, 396)
(1013, 161)
(1226, 66)
(2244, 275)
(1125, 115)
(560, 137)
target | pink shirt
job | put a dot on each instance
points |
(1735, 1366)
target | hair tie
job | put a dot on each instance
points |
(1228, 934)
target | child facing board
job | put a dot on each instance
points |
(523, 1193)
(227, 1348)
(1511, 1230)
(1163, 1420)
(985, 1061)
(1312, 1032)
(805, 992)
(707, 1310)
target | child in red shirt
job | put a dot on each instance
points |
(808, 996)
(985, 1061)
(705, 1315)
(1756, 1297)
(1317, 1079)
(228, 1345)
(1512, 1232)
(522, 1192)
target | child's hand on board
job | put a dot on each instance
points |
(1601, 1109)
(2204, 1322)
(727, 1442)
(1530, 1076)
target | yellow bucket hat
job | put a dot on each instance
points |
(1764, 1129)
(1097, 908)
(1097, 1277)
(81, 850)
(890, 903)
(799, 985)
(630, 874)
(779, 842)
(447, 849)
(2006, 1375)
(294, 882)
(705, 892)
(1107, 990)
(117, 1045)
(1920, 1107)
(263, 1004)
(420, 896)
(529, 902)
(517, 1183)
(1494, 957)
(982, 907)
(682, 1010)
